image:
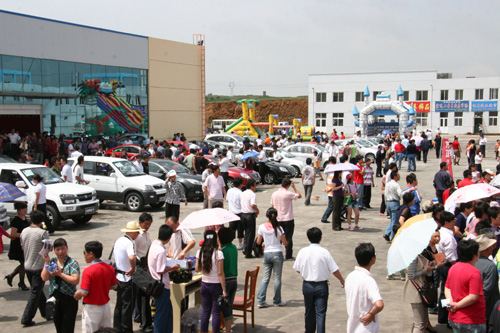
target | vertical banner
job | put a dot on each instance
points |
(446, 153)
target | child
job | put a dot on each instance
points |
(317, 162)
(351, 191)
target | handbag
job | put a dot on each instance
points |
(144, 281)
(428, 293)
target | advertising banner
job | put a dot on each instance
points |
(484, 106)
(421, 106)
(452, 106)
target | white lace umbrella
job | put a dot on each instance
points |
(207, 217)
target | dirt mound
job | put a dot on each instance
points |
(287, 109)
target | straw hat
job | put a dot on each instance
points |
(132, 226)
(484, 242)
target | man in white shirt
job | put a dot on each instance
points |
(76, 152)
(124, 253)
(234, 203)
(128, 141)
(262, 161)
(142, 311)
(259, 141)
(138, 163)
(215, 187)
(333, 149)
(482, 144)
(230, 154)
(78, 176)
(249, 213)
(362, 294)
(315, 264)
(277, 157)
(393, 195)
(66, 172)
(207, 172)
(215, 152)
(224, 167)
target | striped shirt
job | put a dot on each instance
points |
(368, 176)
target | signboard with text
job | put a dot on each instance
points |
(421, 106)
(484, 106)
(452, 106)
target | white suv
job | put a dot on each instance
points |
(227, 139)
(64, 200)
(118, 179)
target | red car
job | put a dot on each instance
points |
(179, 145)
(235, 171)
(132, 151)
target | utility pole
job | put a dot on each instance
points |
(231, 85)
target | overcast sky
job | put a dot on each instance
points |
(273, 45)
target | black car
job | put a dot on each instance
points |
(274, 172)
(192, 183)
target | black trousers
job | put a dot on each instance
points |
(425, 152)
(237, 227)
(48, 223)
(382, 205)
(122, 319)
(439, 195)
(36, 297)
(225, 176)
(288, 227)
(172, 210)
(367, 195)
(379, 169)
(65, 314)
(248, 220)
(443, 312)
(338, 202)
(142, 310)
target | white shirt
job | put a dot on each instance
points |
(447, 245)
(142, 243)
(262, 156)
(230, 156)
(483, 141)
(138, 165)
(215, 152)
(259, 142)
(478, 158)
(277, 156)
(333, 150)
(76, 153)
(213, 275)
(66, 171)
(393, 191)
(361, 292)
(71, 149)
(14, 138)
(234, 200)
(248, 198)
(128, 142)
(214, 186)
(181, 236)
(315, 263)
(124, 247)
(42, 189)
(79, 173)
(272, 241)
(224, 165)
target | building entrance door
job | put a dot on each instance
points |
(478, 120)
(24, 118)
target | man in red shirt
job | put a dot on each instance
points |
(360, 182)
(399, 148)
(457, 150)
(97, 279)
(467, 179)
(464, 289)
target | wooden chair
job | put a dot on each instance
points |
(248, 299)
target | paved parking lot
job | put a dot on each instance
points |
(396, 316)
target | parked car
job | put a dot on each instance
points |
(132, 151)
(136, 138)
(365, 148)
(306, 150)
(64, 200)
(118, 179)
(211, 144)
(298, 163)
(227, 139)
(274, 172)
(235, 171)
(192, 183)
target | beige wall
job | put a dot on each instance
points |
(174, 89)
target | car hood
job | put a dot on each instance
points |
(188, 176)
(69, 188)
(276, 164)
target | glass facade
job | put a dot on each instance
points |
(77, 98)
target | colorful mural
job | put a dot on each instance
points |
(108, 113)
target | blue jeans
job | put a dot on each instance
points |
(328, 210)
(411, 161)
(359, 199)
(399, 158)
(316, 303)
(272, 261)
(467, 328)
(163, 319)
(392, 209)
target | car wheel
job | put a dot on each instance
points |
(296, 172)
(82, 220)
(269, 178)
(134, 202)
(230, 183)
(53, 216)
(157, 205)
(370, 157)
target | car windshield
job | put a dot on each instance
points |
(287, 154)
(237, 138)
(173, 166)
(128, 169)
(48, 176)
(364, 144)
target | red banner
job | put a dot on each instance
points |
(421, 106)
(446, 154)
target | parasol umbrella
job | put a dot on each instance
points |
(411, 241)
(207, 217)
(331, 168)
(9, 192)
(249, 154)
(471, 193)
(495, 181)
(411, 221)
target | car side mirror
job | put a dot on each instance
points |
(21, 184)
(113, 174)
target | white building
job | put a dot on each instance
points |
(456, 105)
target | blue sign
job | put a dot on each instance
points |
(484, 106)
(452, 106)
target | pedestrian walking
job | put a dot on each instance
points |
(317, 165)
(249, 213)
(230, 252)
(41, 200)
(441, 178)
(17, 225)
(329, 182)
(379, 158)
(174, 196)
(368, 184)
(142, 308)
(359, 182)
(215, 187)
(234, 206)
(308, 180)
(412, 151)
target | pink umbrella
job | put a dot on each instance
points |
(471, 193)
(331, 168)
(207, 217)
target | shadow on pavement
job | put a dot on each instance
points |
(8, 318)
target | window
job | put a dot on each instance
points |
(493, 117)
(459, 116)
(359, 96)
(493, 93)
(338, 96)
(406, 95)
(443, 119)
(479, 93)
(422, 118)
(320, 97)
(444, 95)
(459, 94)
(422, 95)
(375, 93)
(320, 119)
(338, 119)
